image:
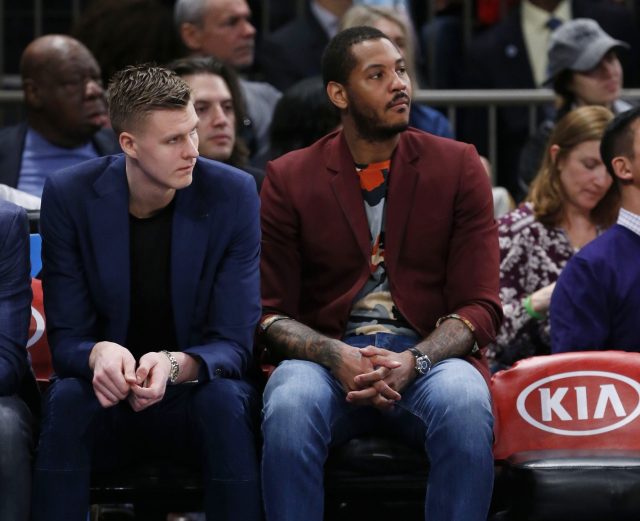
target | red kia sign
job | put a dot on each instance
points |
(38, 343)
(36, 328)
(580, 403)
(580, 400)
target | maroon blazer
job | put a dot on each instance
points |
(441, 238)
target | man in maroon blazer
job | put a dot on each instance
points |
(380, 283)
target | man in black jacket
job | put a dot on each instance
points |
(500, 58)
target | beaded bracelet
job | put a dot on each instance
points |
(467, 323)
(269, 320)
(526, 303)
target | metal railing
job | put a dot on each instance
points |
(74, 10)
(450, 100)
(492, 100)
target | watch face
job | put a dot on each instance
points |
(422, 365)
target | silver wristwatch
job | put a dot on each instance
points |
(423, 363)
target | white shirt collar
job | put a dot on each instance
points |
(538, 17)
(629, 220)
(536, 34)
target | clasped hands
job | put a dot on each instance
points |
(374, 376)
(116, 377)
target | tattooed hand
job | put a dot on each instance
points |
(291, 339)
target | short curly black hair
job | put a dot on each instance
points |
(618, 138)
(338, 60)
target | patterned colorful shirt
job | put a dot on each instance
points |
(532, 256)
(373, 310)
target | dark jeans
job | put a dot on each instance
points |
(16, 445)
(212, 423)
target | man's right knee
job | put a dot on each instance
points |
(297, 398)
(70, 406)
(15, 428)
(69, 394)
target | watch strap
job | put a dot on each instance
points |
(175, 367)
(423, 362)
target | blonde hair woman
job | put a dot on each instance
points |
(571, 201)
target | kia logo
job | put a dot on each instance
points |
(38, 320)
(580, 403)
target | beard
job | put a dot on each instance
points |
(369, 125)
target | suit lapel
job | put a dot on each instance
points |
(346, 187)
(516, 54)
(189, 242)
(11, 154)
(402, 188)
(108, 216)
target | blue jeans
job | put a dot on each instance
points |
(211, 425)
(16, 446)
(447, 413)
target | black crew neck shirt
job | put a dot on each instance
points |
(151, 322)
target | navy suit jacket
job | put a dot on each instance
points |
(293, 52)
(15, 303)
(12, 145)
(214, 264)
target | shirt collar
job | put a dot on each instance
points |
(327, 20)
(629, 220)
(538, 17)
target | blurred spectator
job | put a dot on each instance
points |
(128, 32)
(66, 113)
(513, 55)
(442, 45)
(396, 26)
(294, 51)
(17, 383)
(392, 4)
(279, 13)
(583, 70)
(502, 201)
(596, 304)
(303, 115)
(572, 200)
(222, 28)
(221, 110)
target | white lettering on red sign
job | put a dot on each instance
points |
(598, 402)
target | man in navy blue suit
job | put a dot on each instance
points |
(151, 290)
(15, 375)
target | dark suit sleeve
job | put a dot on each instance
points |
(276, 65)
(280, 263)
(473, 262)
(234, 309)
(579, 311)
(15, 299)
(70, 312)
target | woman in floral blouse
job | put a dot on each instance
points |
(570, 202)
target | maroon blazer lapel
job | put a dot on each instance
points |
(346, 187)
(402, 188)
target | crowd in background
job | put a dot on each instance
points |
(254, 78)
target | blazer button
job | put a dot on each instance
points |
(219, 372)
